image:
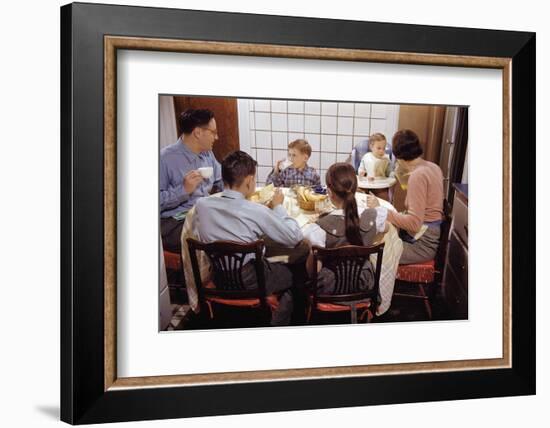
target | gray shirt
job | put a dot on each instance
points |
(176, 160)
(234, 218)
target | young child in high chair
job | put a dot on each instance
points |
(376, 163)
(299, 172)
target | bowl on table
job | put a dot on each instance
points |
(307, 198)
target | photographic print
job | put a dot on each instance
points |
(301, 200)
(274, 212)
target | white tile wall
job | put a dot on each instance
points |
(264, 157)
(345, 125)
(327, 159)
(379, 125)
(295, 136)
(345, 109)
(328, 124)
(263, 121)
(252, 138)
(357, 140)
(328, 143)
(262, 105)
(280, 140)
(296, 107)
(332, 129)
(329, 109)
(362, 110)
(342, 157)
(361, 126)
(263, 139)
(278, 155)
(279, 122)
(379, 111)
(315, 160)
(314, 141)
(262, 173)
(323, 173)
(312, 124)
(296, 122)
(312, 107)
(278, 106)
(344, 143)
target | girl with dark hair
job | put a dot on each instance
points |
(346, 225)
(420, 224)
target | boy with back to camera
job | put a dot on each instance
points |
(232, 217)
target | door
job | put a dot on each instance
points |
(226, 115)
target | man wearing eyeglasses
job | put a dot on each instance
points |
(188, 171)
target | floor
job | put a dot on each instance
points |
(403, 309)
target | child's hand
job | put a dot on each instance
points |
(277, 166)
(362, 173)
(370, 178)
(372, 201)
(278, 198)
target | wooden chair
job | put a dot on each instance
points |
(425, 275)
(226, 286)
(174, 263)
(346, 263)
(176, 276)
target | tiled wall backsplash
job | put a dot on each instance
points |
(331, 128)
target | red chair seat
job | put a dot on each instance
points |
(417, 272)
(172, 260)
(272, 300)
(332, 307)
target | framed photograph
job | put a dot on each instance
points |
(138, 344)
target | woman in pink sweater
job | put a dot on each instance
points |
(423, 203)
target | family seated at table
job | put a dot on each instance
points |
(189, 173)
(232, 217)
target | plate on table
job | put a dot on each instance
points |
(377, 183)
(263, 194)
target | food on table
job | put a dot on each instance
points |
(263, 195)
(307, 198)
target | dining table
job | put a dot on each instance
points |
(393, 247)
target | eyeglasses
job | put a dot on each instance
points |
(213, 131)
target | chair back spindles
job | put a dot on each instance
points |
(228, 260)
(347, 264)
(227, 270)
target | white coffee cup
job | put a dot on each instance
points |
(206, 171)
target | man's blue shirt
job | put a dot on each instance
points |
(176, 160)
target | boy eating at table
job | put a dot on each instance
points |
(299, 172)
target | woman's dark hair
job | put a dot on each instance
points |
(406, 145)
(236, 166)
(342, 181)
(191, 118)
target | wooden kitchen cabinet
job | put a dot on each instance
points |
(455, 274)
